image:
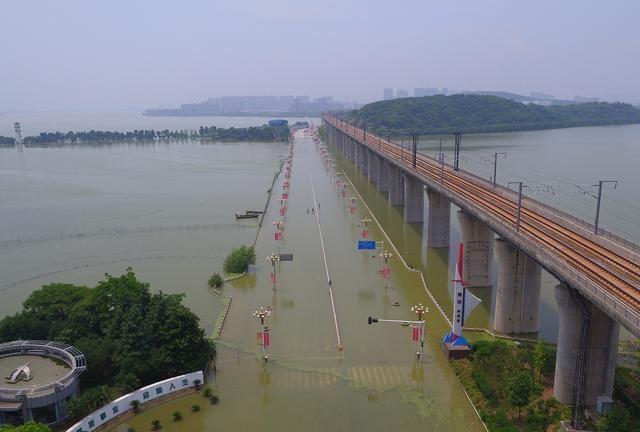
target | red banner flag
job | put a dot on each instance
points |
(352, 209)
(267, 339)
(281, 211)
(277, 235)
(385, 272)
(273, 277)
(364, 233)
(417, 332)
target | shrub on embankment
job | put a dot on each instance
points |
(239, 259)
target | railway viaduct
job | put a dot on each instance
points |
(599, 275)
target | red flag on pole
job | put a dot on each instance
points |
(267, 339)
(364, 233)
(281, 211)
(273, 277)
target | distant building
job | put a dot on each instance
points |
(581, 99)
(387, 94)
(402, 94)
(278, 123)
(420, 92)
(541, 96)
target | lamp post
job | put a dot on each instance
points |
(262, 314)
(273, 258)
(417, 326)
(419, 310)
(385, 255)
(365, 231)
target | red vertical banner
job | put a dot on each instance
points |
(281, 211)
(277, 235)
(416, 333)
(273, 277)
(364, 233)
(267, 339)
(352, 209)
(385, 272)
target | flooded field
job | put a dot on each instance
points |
(308, 384)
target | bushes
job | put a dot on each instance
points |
(482, 382)
(88, 401)
(215, 281)
(239, 259)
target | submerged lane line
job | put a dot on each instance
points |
(326, 267)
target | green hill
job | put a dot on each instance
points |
(432, 115)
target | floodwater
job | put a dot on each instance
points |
(308, 384)
(166, 209)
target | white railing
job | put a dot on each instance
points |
(145, 394)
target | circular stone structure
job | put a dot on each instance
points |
(37, 379)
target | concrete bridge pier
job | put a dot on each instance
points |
(383, 175)
(477, 239)
(518, 291)
(364, 159)
(396, 186)
(372, 164)
(413, 199)
(438, 220)
(602, 348)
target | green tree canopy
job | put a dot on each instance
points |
(519, 389)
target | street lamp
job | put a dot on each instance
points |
(365, 221)
(417, 326)
(262, 314)
(386, 255)
(273, 258)
(600, 183)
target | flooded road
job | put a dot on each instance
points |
(308, 384)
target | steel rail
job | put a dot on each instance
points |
(535, 225)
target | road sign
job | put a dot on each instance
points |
(366, 245)
(286, 257)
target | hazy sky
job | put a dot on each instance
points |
(112, 54)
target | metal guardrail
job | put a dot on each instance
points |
(615, 308)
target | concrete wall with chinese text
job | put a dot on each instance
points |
(144, 394)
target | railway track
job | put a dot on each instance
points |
(606, 268)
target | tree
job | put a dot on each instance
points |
(195, 408)
(215, 281)
(239, 259)
(27, 427)
(177, 416)
(519, 390)
(539, 358)
(616, 420)
(135, 406)
(196, 384)
(543, 414)
(155, 425)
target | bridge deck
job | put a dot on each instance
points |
(606, 269)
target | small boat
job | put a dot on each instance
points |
(396, 303)
(246, 215)
(254, 211)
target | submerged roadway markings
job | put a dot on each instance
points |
(326, 267)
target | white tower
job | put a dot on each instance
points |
(18, 129)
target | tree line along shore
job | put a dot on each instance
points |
(212, 133)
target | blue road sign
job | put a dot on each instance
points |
(366, 245)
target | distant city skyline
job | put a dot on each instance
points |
(70, 56)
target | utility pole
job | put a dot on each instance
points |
(402, 148)
(600, 183)
(519, 202)
(495, 165)
(456, 154)
(414, 137)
